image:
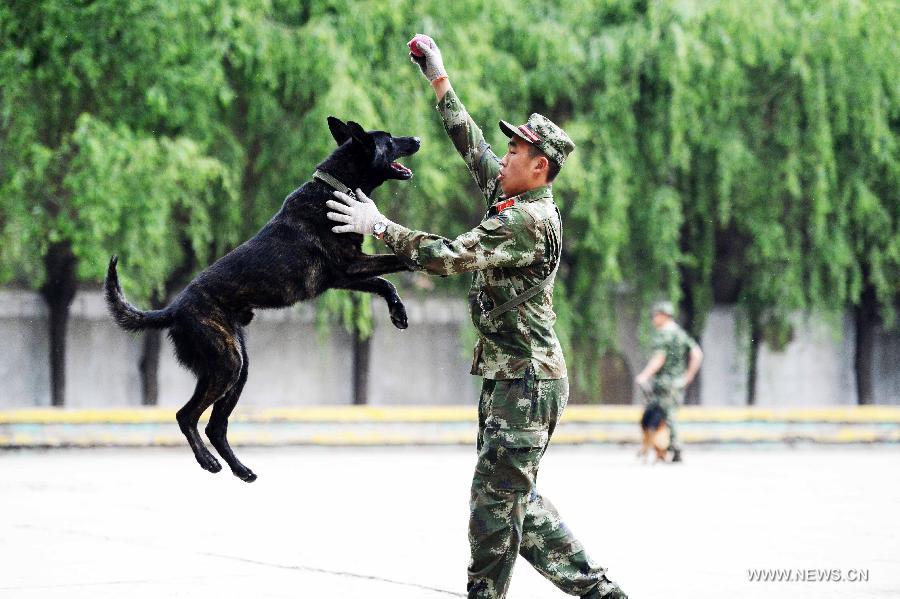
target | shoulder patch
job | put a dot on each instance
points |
(519, 214)
(493, 223)
(538, 211)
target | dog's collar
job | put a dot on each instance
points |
(333, 183)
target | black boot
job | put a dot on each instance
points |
(676, 455)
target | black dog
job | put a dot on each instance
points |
(655, 432)
(294, 257)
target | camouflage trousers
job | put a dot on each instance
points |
(669, 398)
(508, 516)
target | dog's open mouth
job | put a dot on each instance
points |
(401, 170)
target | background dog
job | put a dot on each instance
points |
(655, 432)
(294, 257)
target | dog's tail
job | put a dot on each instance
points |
(127, 316)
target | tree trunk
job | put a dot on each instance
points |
(690, 319)
(149, 367)
(58, 292)
(149, 364)
(755, 339)
(866, 316)
(362, 349)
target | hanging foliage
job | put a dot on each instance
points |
(723, 154)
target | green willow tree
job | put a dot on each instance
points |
(288, 72)
(85, 167)
(187, 214)
(725, 155)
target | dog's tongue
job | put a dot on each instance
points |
(399, 167)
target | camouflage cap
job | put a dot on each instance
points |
(543, 133)
(665, 307)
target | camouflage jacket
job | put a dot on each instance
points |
(515, 247)
(675, 343)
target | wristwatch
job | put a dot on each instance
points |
(379, 228)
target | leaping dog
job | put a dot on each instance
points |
(294, 257)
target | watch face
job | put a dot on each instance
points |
(379, 228)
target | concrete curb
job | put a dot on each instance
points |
(441, 425)
(447, 414)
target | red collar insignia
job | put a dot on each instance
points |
(501, 206)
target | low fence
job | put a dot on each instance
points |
(291, 361)
(294, 364)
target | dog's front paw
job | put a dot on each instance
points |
(398, 315)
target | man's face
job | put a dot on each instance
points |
(660, 319)
(519, 172)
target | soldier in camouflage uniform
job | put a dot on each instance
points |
(669, 368)
(513, 253)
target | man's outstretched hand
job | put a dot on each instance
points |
(359, 215)
(425, 53)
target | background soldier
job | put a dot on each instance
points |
(670, 375)
(514, 253)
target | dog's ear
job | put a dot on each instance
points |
(339, 130)
(361, 137)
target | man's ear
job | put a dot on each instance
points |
(542, 164)
(339, 130)
(361, 137)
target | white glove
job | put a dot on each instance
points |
(431, 62)
(360, 214)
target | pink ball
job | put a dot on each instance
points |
(419, 39)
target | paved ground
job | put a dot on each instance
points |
(391, 523)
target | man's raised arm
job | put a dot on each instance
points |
(481, 161)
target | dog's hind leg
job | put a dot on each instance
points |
(217, 429)
(187, 418)
(385, 289)
(645, 446)
(222, 375)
